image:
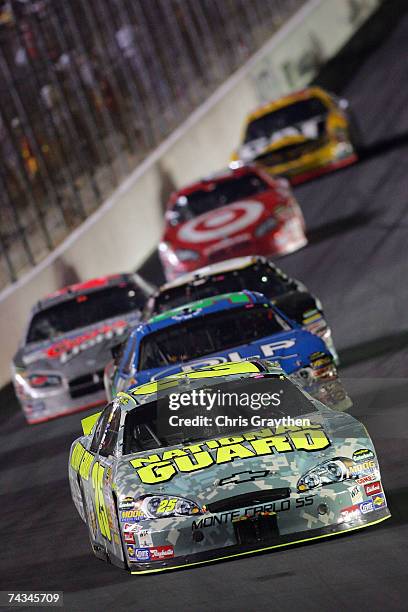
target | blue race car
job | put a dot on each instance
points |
(227, 327)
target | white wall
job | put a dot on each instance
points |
(126, 228)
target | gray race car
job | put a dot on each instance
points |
(58, 368)
(164, 482)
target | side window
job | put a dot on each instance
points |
(100, 428)
(108, 442)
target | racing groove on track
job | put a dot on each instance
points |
(357, 263)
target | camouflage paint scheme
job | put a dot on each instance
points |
(105, 487)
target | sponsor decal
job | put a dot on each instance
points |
(361, 469)
(138, 554)
(366, 506)
(365, 479)
(350, 513)
(373, 488)
(362, 454)
(161, 552)
(223, 222)
(379, 501)
(263, 510)
(271, 349)
(131, 516)
(145, 538)
(157, 553)
(241, 477)
(129, 537)
(156, 468)
(355, 494)
(70, 347)
(126, 503)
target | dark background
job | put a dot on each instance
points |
(356, 262)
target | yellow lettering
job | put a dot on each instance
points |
(310, 440)
(101, 512)
(229, 453)
(157, 472)
(265, 446)
(141, 461)
(85, 466)
(232, 440)
(76, 456)
(195, 462)
(176, 452)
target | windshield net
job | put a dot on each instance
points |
(201, 336)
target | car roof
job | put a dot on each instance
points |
(282, 101)
(227, 265)
(202, 307)
(219, 177)
(197, 378)
(86, 287)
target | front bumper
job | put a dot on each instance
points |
(293, 519)
(41, 409)
(239, 550)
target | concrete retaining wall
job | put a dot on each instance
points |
(126, 228)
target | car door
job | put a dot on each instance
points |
(100, 501)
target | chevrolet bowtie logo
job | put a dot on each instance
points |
(241, 477)
(378, 501)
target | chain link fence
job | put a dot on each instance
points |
(88, 88)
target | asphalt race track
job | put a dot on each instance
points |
(357, 262)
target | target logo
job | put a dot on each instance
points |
(223, 222)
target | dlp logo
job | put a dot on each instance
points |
(271, 349)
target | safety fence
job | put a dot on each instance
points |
(87, 89)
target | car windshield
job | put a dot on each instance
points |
(147, 427)
(83, 310)
(205, 335)
(259, 277)
(216, 195)
(287, 116)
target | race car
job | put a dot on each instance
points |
(237, 212)
(227, 327)
(299, 136)
(255, 273)
(158, 492)
(58, 368)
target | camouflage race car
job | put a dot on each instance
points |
(160, 488)
(299, 136)
(254, 273)
(58, 368)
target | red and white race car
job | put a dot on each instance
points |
(238, 212)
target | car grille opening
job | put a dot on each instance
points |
(257, 530)
(86, 384)
(249, 499)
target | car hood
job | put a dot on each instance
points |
(292, 349)
(85, 349)
(243, 466)
(223, 225)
